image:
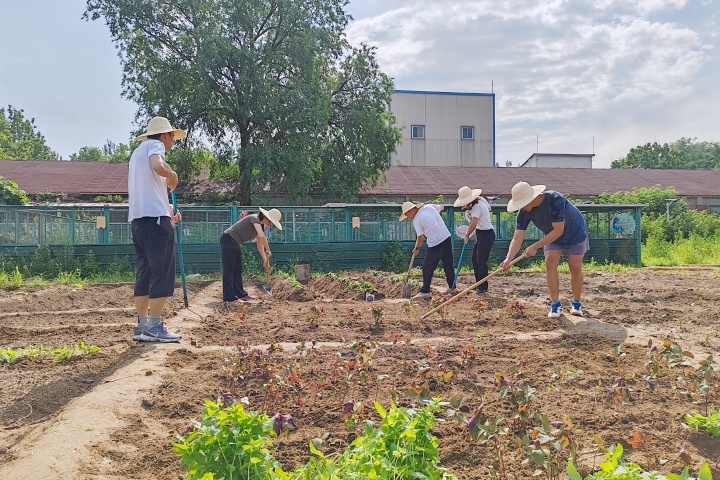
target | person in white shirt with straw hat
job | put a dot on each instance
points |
(249, 228)
(153, 228)
(429, 225)
(481, 224)
(564, 228)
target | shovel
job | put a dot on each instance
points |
(406, 288)
(267, 287)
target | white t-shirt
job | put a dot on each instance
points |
(428, 222)
(481, 211)
(147, 191)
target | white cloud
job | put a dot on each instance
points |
(571, 68)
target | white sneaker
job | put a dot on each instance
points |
(422, 296)
(576, 308)
(555, 310)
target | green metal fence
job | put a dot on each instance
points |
(332, 237)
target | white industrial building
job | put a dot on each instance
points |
(444, 129)
(559, 160)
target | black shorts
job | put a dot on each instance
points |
(154, 240)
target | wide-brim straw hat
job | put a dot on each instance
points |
(466, 195)
(522, 194)
(162, 125)
(406, 207)
(274, 216)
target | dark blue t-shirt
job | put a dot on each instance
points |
(555, 208)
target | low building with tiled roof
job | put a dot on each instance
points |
(701, 188)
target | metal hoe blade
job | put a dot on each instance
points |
(406, 288)
(267, 287)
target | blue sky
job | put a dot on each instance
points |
(569, 76)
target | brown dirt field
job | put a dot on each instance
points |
(115, 413)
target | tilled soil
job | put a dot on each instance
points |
(115, 413)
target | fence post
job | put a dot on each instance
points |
(638, 240)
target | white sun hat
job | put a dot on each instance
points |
(161, 125)
(406, 207)
(522, 194)
(274, 216)
(466, 195)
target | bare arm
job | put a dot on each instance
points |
(471, 228)
(160, 166)
(262, 245)
(558, 228)
(515, 245)
(418, 244)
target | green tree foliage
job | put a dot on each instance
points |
(682, 221)
(683, 154)
(286, 103)
(88, 154)
(110, 152)
(19, 140)
(10, 194)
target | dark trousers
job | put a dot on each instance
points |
(154, 241)
(232, 269)
(434, 255)
(484, 240)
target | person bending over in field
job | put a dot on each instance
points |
(481, 224)
(429, 224)
(250, 228)
(564, 228)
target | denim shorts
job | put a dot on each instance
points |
(577, 249)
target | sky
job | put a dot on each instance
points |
(569, 76)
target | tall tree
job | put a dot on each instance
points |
(683, 154)
(19, 140)
(286, 103)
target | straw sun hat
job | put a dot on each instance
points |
(406, 207)
(466, 195)
(522, 194)
(274, 216)
(161, 125)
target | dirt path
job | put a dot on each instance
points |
(84, 440)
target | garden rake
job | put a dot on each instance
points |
(406, 288)
(178, 229)
(471, 287)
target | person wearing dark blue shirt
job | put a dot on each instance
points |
(564, 228)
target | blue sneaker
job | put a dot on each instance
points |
(555, 310)
(576, 308)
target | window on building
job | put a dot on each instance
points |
(467, 133)
(715, 210)
(417, 132)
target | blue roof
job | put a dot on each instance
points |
(427, 92)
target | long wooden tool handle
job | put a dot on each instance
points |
(412, 260)
(474, 285)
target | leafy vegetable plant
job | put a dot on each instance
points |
(615, 468)
(710, 422)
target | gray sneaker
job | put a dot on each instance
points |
(450, 291)
(422, 296)
(155, 331)
(141, 325)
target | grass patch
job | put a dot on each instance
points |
(694, 250)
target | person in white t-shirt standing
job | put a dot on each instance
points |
(480, 223)
(429, 225)
(153, 228)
